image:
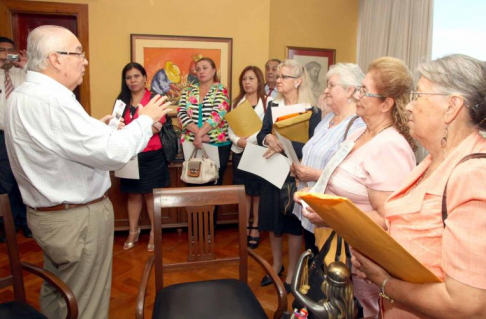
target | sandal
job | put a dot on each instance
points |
(253, 241)
(130, 244)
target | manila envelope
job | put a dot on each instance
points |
(295, 128)
(364, 235)
(243, 120)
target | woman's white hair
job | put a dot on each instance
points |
(299, 71)
(41, 42)
(350, 74)
(464, 75)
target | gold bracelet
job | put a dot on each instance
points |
(383, 294)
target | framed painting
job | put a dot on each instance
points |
(170, 61)
(317, 63)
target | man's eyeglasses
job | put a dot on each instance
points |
(415, 95)
(81, 55)
(9, 50)
(362, 91)
(285, 77)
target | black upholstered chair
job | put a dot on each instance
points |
(19, 308)
(219, 298)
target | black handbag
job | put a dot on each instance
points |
(316, 272)
(287, 196)
(169, 139)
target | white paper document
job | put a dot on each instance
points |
(274, 170)
(117, 114)
(130, 170)
(211, 150)
(289, 149)
(286, 110)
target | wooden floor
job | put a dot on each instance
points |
(128, 267)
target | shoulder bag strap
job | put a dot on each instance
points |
(444, 196)
(349, 126)
(317, 263)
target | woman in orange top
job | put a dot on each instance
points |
(445, 116)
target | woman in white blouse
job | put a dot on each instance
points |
(252, 89)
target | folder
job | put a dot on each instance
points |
(243, 120)
(295, 128)
(364, 235)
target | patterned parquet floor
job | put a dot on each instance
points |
(128, 268)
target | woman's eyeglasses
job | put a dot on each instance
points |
(285, 77)
(362, 91)
(415, 95)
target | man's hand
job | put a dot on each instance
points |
(23, 59)
(155, 108)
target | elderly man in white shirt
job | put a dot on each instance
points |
(11, 76)
(60, 157)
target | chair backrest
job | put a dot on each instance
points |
(15, 278)
(194, 198)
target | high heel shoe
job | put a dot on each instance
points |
(151, 247)
(266, 280)
(253, 241)
(129, 245)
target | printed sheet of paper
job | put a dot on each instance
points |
(243, 120)
(130, 170)
(211, 150)
(274, 170)
(117, 114)
(364, 235)
(286, 110)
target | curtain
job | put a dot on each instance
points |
(397, 28)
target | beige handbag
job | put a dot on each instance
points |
(199, 170)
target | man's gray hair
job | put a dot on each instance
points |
(41, 42)
(350, 74)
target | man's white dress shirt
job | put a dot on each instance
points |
(58, 153)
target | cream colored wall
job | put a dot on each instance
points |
(329, 24)
(112, 21)
(260, 29)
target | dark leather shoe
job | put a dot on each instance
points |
(288, 289)
(266, 280)
(2, 238)
(27, 232)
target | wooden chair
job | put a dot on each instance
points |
(220, 298)
(19, 308)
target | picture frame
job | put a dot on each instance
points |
(316, 61)
(170, 60)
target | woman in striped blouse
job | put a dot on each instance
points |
(201, 112)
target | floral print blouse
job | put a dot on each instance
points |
(213, 108)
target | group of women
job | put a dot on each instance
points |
(370, 135)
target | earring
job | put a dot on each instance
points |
(349, 100)
(443, 141)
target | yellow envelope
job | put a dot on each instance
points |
(295, 128)
(363, 234)
(243, 120)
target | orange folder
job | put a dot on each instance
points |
(364, 235)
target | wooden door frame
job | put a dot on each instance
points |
(80, 11)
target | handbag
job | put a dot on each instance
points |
(169, 140)
(314, 272)
(199, 170)
(286, 196)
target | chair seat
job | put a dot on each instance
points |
(19, 310)
(225, 298)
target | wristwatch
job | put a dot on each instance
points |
(383, 294)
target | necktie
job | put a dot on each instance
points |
(270, 90)
(8, 84)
